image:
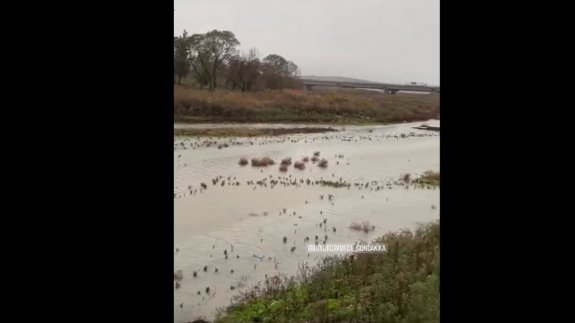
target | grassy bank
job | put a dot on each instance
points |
(400, 285)
(247, 132)
(317, 106)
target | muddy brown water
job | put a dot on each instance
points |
(252, 218)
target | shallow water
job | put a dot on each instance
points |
(252, 218)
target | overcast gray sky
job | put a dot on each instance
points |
(377, 40)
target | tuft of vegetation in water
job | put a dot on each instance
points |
(364, 226)
(286, 161)
(299, 165)
(397, 286)
(335, 184)
(406, 178)
(262, 162)
(430, 178)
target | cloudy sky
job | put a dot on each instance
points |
(376, 40)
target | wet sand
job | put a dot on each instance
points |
(252, 218)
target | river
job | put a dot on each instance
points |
(254, 218)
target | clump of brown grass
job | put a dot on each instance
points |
(306, 159)
(428, 178)
(364, 226)
(243, 161)
(286, 161)
(299, 165)
(283, 168)
(406, 178)
(323, 163)
(316, 153)
(314, 159)
(263, 162)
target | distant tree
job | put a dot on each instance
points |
(210, 51)
(252, 72)
(233, 76)
(181, 56)
(292, 80)
(293, 70)
(243, 71)
(214, 56)
(277, 71)
(199, 60)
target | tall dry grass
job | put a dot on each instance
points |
(302, 106)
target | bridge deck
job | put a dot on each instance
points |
(381, 86)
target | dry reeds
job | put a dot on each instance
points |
(364, 226)
(310, 106)
(283, 168)
(263, 162)
(286, 161)
(306, 159)
(243, 161)
(428, 178)
(299, 165)
(406, 178)
(178, 275)
(323, 163)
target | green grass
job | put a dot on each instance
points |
(400, 285)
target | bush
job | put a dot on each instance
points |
(263, 162)
(299, 165)
(286, 161)
(398, 286)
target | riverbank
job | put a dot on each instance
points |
(399, 285)
(247, 132)
(318, 106)
(427, 127)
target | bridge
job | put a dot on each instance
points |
(387, 87)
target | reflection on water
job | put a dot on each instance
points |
(248, 221)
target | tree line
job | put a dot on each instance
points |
(213, 60)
